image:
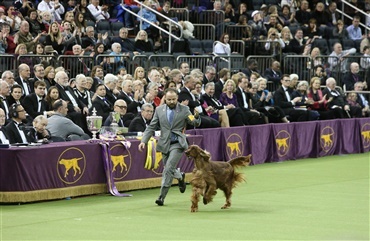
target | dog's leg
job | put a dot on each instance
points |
(209, 193)
(228, 193)
(195, 199)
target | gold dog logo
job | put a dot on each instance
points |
(365, 133)
(71, 165)
(234, 146)
(327, 136)
(282, 140)
(121, 161)
(158, 167)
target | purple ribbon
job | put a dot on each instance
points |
(108, 171)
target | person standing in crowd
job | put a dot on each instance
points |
(170, 119)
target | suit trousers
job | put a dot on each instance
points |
(170, 171)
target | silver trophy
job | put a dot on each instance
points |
(115, 118)
(94, 123)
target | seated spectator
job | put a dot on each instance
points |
(100, 13)
(287, 17)
(51, 97)
(139, 74)
(273, 23)
(273, 74)
(8, 39)
(153, 32)
(70, 17)
(305, 102)
(241, 11)
(47, 20)
(4, 93)
(59, 125)
(55, 38)
(140, 122)
(54, 7)
(320, 73)
(120, 107)
(23, 6)
(298, 43)
(332, 15)
(127, 45)
(222, 47)
(284, 100)
(258, 28)
(39, 131)
(152, 89)
(15, 96)
(315, 56)
(34, 103)
(352, 77)
(339, 31)
(80, 22)
(274, 44)
(229, 14)
(142, 43)
(21, 50)
(13, 18)
(100, 103)
(303, 15)
(354, 30)
(286, 37)
(312, 31)
(82, 8)
(3, 135)
(362, 100)
(70, 37)
(337, 61)
(338, 102)
(15, 129)
(24, 36)
(133, 99)
(81, 91)
(320, 15)
(365, 60)
(320, 103)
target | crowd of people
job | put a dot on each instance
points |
(42, 101)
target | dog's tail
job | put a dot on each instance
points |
(239, 162)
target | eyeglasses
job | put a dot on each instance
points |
(149, 111)
(122, 106)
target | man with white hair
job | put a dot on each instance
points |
(54, 7)
(8, 76)
(110, 82)
(23, 79)
(337, 59)
(132, 98)
(3, 135)
(293, 81)
(338, 102)
(352, 77)
(4, 93)
(99, 12)
(209, 76)
(81, 91)
(76, 109)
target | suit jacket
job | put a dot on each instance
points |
(185, 95)
(281, 100)
(63, 95)
(137, 124)
(3, 130)
(295, 47)
(132, 105)
(181, 118)
(30, 84)
(350, 79)
(338, 98)
(103, 108)
(239, 98)
(87, 41)
(218, 89)
(123, 122)
(30, 104)
(270, 76)
(110, 96)
(2, 106)
(13, 134)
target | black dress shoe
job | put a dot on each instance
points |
(182, 184)
(159, 201)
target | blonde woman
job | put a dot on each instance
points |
(228, 97)
(315, 53)
(142, 43)
(274, 43)
(139, 74)
(54, 38)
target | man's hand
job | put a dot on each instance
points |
(196, 113)
(141, 146)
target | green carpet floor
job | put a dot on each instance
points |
(311, 199)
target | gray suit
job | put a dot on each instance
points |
(61, 126)
(171, 152)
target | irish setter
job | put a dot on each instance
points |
(209, 175)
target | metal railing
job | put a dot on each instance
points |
(182, 14)
(204, 31)
(170, 21)
(367, 28)
(196, 61)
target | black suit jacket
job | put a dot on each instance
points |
(13, 133)
(281, 100)
(270, 76)
(123, 122)
(30, 104)
(295, 47)
(239, 97)
(185, 95)
(3, 130)
(137, 124)
(2, 106)
(132, 105)
(218, 89)
(30, 84)
(110, 96)
(87, 41)
(102, 108)
(63, 95)
(338, 98)
(350, 79)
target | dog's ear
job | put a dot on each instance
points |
(205, 155)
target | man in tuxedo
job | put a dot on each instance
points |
(4, 93)
(170, 119)
(133, 99)
(224, 75)
(97, 73)
(23, 79)
(298, 43)
(39, 131)
(252, 66)
(15, 128)
(338, 103)
(39, 73)
(284, 100)
(361, 99)
(274, 74)
(101, 104)
(139, 123)
(352, 77)
(186, 96)
(34, 103)
(8, 76)
(184, 69)
(3, 135)
(120, 107)
(81, 91)
(209, 76)
(77, 111)
(110, 82)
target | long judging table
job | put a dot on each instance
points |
(59, 170)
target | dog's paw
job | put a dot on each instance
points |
(225, 206)
(194, 210)
(205, 201)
